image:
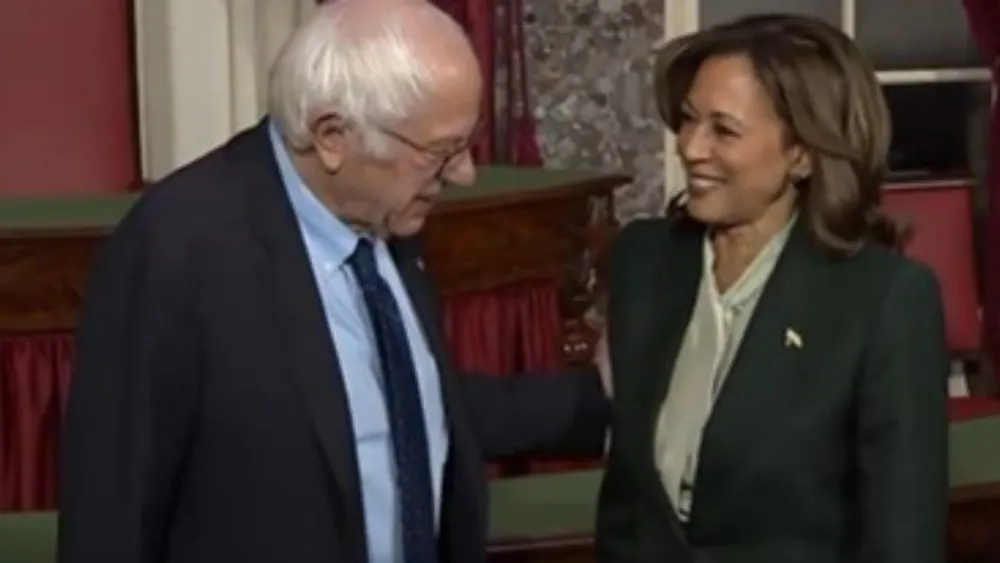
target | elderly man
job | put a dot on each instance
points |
(260, 375)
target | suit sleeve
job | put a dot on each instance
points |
(542, 415)
(559, 414)
(131, 405)
(902, 426)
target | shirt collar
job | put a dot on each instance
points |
(753, 278)
(337, 238)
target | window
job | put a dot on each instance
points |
(712, 12)
(929, 34)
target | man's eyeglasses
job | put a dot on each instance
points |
(441, 158)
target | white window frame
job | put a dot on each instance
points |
(680, 17)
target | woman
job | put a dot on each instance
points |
(779, 370)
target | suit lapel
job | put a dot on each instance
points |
(300, 325)
(407, 255)
(463, 471)
(762, 379)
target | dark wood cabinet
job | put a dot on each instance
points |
(570, 549)
(974, 524)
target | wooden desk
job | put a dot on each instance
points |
(974, 471)
(513, 225)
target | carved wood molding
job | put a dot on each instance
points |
(42, 281)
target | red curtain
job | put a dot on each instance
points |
(512, 329)
(983, 18)
(496, 28)
(34, 379)
(516, 328)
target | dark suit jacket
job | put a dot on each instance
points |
(207, 420)
(831, 452)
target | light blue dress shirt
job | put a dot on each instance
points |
(329, 243)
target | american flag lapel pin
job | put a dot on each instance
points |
(793, 339)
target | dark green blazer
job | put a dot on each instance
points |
(831, 452)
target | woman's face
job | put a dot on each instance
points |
(734, 147)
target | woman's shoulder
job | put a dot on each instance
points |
(892, 263)
(656, 232)
(889, 270)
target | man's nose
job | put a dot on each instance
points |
(461, 171)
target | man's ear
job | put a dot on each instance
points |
(329, 136)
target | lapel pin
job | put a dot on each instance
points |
(792, 339)
(420, 264)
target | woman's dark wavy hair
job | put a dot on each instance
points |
(826, 93)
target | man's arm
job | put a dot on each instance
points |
(902, 427)
(562, 414)
(132, 401)
(559, 414)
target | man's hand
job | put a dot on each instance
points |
(594, 318)
(603, 362)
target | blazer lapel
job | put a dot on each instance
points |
(762, 379)
(301, 326)
(660, 300)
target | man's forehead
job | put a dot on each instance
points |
(451, 114)
(444, 131)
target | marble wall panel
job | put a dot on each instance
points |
(589, 68)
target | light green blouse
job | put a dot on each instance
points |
(713, 336)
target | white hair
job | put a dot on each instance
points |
(371, 74)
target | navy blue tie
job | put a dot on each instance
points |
(406, 414)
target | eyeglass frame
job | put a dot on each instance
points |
(446, 157)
